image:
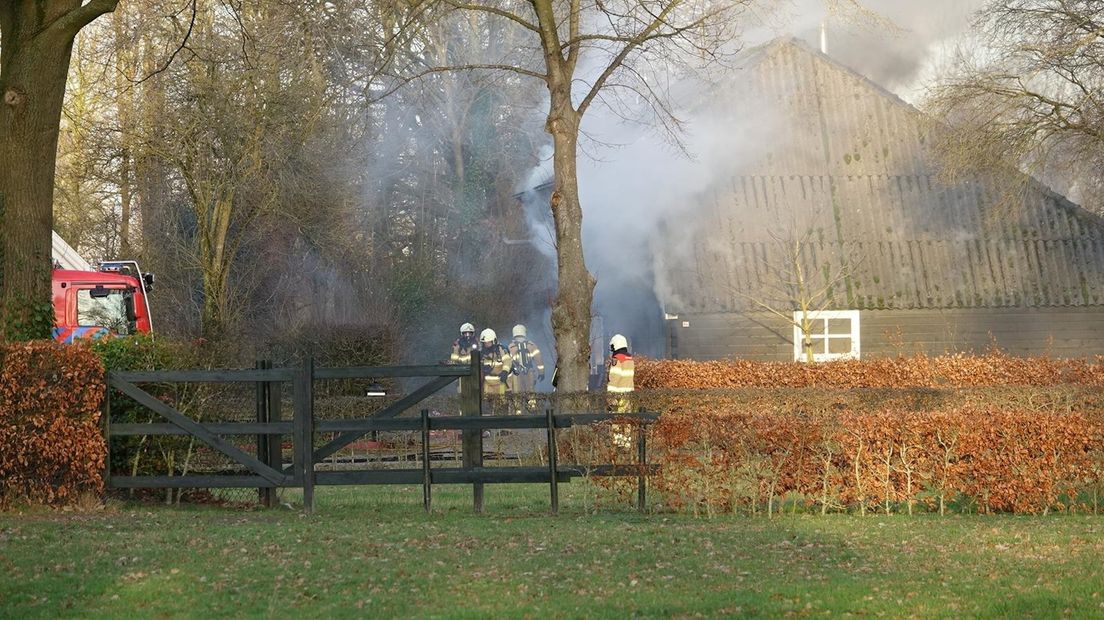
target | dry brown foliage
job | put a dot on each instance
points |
(993, 369)
(52, 444)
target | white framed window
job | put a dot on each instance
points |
(833, 334)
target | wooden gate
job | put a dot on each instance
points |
(268, 471)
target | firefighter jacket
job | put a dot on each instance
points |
(619, 386)
(619, 373)
(461, 350)
(528, 366)
(497, 364)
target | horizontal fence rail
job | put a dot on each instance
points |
(268, 471)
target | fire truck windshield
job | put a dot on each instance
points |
(103, 308)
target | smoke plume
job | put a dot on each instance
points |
(635, 184)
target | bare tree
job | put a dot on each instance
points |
(36, 39)
(586, 52)
(799, 277)
(1031, 94)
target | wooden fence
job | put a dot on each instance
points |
(268, 471)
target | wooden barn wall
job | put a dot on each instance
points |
(1058, 332)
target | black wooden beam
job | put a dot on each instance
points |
(222, 428)
(454, 423)
(203, 376)
(192, 482)
(380, 372)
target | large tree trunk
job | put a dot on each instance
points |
(571, 311)
(32, 83)
(37, 39)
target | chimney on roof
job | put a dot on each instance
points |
(824, 36)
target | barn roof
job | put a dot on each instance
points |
(842, 168)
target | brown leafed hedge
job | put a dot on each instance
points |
(949, 371)
(990, 433)
(979, 457)
(52, 443)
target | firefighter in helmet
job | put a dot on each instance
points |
(528, 364)
(619, 369)
(619, 386)
(462, 349)
(464, 345)
(496, 363)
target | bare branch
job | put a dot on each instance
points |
(495, 11)
(180, 47)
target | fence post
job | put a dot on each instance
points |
(275, 457)
(264, 494)
(642, 461)
(304, 431)
(105, 413)
(471, 404)
(427, 496)
(553, 483)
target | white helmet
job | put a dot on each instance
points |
(487, 336)
(519, 331)
(467, 328)
(618, 342)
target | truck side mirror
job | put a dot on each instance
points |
(148, 279)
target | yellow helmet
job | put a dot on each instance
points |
(487, 336)
(519, 331)
(467, 328)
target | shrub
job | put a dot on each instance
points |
(886, 460)
(918, 371)
(53, 446)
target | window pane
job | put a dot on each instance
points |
(817, 346)
(816, 325)
(839, 326)
(840, 346)
(109, 312)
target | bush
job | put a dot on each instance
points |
(886, 460)
(53, 446)
(917, 371)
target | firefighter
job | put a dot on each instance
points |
(619, 386)
(528, 365)
(496, 363)
(464, 345)
(462, 349)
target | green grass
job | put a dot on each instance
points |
(371, 552)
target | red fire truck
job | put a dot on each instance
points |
(112, 300)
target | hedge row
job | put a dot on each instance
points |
(974, 457)
(918, 371)
(52, 444)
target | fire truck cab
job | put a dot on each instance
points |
(112, 300)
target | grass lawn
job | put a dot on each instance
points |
(371, 552)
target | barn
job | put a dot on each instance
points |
(840, 238)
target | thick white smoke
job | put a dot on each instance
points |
(634, 183)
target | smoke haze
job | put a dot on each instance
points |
(635, 185)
